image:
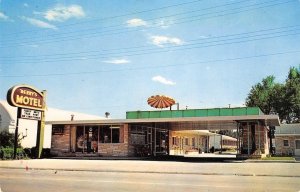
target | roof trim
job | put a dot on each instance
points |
(271, 120)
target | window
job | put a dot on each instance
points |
(115, 132)
(285, 143)
(109, 134)
(186, 141)
(297, 144)
(58, 129)
(174, 140)
(139, 135)
(193, 142)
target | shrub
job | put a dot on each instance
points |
(7, 139)
(8, 153)
(31, 152)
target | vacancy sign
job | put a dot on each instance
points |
(31, 114)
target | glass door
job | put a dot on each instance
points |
(80, 139)
(87, 139)
(162, 141)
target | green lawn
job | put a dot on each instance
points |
(279, 158)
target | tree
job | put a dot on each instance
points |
(293, 94)
(283, 99)
(279, 101)
(261, 95)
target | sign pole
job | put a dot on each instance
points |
(41, 130)
(17, 133)
(40, 136)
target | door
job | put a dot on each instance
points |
(297, 147)
(87, 139)
(80, 139)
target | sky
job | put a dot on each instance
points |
(110, 56)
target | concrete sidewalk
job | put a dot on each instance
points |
(164, 167)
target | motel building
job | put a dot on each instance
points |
(28, 128)
(163, 132)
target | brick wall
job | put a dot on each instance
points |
(261, 139)
(112, 149)
(116, 149)
(285, 150)
(61, 143)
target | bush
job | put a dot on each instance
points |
(7, 139)
(46, 153)
(31, 152)
(8, 153)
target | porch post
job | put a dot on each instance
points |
(221, 143)
(248, 138)
(154, 140)
(207, 144)
(238, 139)
(258, 125)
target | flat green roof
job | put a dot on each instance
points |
(240, 111)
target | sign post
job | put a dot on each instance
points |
(40, 132)
(16, 134)
(31, 105)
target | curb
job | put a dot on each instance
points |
(271, 161)
(155, 172)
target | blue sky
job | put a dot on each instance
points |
(98, 56)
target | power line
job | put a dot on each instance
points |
(151, 67)
(192, 40)
(112, 17)
(121, 25)
(175, 48)
(122, 31)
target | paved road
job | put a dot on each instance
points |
(204, 168)
(50, 180)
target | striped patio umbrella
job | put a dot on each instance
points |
(160, 101)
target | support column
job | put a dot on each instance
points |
(248, 135)
(258, 125)
(154, 141)
(238, 139)
(207, 144)
(221, 143)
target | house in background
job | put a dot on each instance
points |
(28, 128)
(287, 139)
(189, 142)
(223, 142)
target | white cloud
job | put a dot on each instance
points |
(136, 22)
(163, 80)
(3, 16)
(118, 61)
(63, 13)
(162, 40)
(39, 23)
(25, 5)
